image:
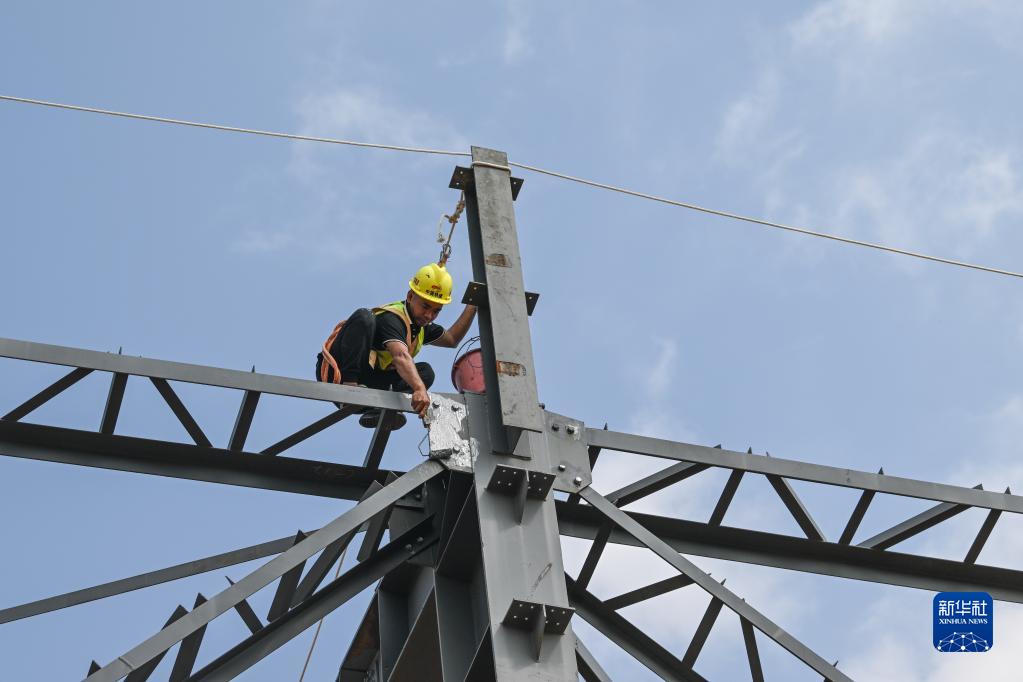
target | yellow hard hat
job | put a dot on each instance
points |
(433, 283)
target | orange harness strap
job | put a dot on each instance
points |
(329, 362)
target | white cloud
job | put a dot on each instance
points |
(655, 413)
(364, 115)
(943, 191)
(869, 20)
(334, 225)
(748, 117)
(516, 45)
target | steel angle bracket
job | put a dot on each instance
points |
(449, 432)
(462, 178)
(476, 294)
(538, 620)
(520, 484)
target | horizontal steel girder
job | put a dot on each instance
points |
(200, 374)
(801, 554)
(180, 460)
(715, 589)
(803, 471)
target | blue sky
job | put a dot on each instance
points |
(888, 121)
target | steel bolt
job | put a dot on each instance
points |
(408, 548)
(436, 403)
(577, 480)
(418, 540)
(561, 467)
(555, 427)
(570, 428)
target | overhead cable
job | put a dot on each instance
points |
(534, 169)
(232, 129)
(766, 223)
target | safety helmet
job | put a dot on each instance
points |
(433, 283)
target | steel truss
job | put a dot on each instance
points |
(470, 585)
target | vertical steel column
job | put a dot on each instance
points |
(504, 327)
(522, 565)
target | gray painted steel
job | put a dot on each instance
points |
(631, 639)
(683, 565)
(178, 460)
(181, 412)
(800, 554)
(282, 630)
(648, 592)
(261, 577)
(803, 471)
(47, 394)
(520, 560)
(199, 374)
(589, 668)
(496, 263)
(204, 565)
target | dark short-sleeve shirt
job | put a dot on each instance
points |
(390, 327)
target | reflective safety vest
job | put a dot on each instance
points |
(379, 359)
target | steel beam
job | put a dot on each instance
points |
(118, 382)
(504, 324)
(44, 396)
(796, 508)
(683, 565)
(982, 535)
(178, 460)
(375, 530)
(285, 592)
(866, 497)
(347, 522)
(188, 651)
(800, 554)
(727, 494)
(181, 412)
(521, 559)
(306, 432)
(328, 557)
(143, 673)
(803, 471)
(631, 639)
(702, 631)
(377, 444)
(648, 592)
(589, 668)
(914, 526)
(138, 582)
(242, 424)
(281, 631)
(200, 374)
(749, 637)
(593, 556)
(246, 613)
(654, 482)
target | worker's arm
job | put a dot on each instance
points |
(454, 334)
(406, 369)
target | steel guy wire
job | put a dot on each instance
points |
(233, 129)
(534, 169)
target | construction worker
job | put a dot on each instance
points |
(375, 348)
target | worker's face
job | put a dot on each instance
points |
(421, 311)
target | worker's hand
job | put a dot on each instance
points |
(420, 402)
